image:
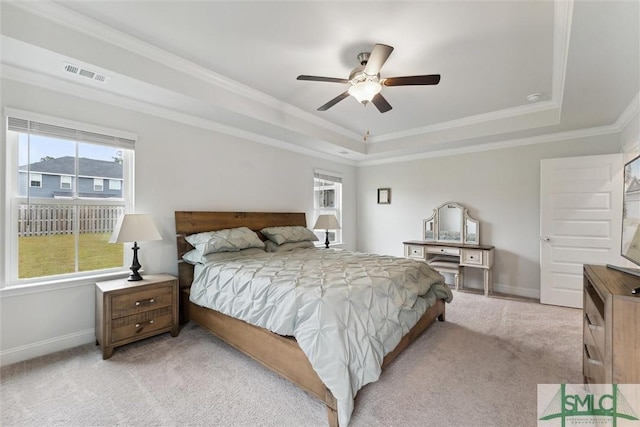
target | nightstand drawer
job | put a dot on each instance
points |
(137, 302)
(471, 257)
(443, 250)
(141, 326)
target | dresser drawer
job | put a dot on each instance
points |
(443, 250)
(592, 366)
(415, 251)
(137, 302)
(141, 327)
(593, 321)
(471, 257)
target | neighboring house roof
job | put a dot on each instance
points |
(88, 167)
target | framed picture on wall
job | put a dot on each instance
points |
(384, 196)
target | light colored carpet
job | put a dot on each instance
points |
(479, 368)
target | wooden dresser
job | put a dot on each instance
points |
(611, 333)
(130, 311)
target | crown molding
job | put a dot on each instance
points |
(629, 113)
(94, 94)
(61, 15)
(518, 142)
(75, 21)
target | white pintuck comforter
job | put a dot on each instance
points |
(346, 310)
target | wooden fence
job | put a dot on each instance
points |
(45, 220)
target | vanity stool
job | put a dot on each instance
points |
(452, 266)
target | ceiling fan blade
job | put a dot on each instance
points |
(334, 101)
(378, 57)
(322, 79)
(430, 79)
(381, 103)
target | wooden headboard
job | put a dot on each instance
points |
(189, 222)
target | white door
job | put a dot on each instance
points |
(580, 222)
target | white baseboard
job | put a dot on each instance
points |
(40, 348)
(517, 291)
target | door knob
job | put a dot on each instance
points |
(544, 239)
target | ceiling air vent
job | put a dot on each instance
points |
(74, 69)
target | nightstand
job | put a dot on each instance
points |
(131, 311)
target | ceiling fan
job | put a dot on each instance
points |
(365, 82)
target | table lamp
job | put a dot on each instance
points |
(327, 222)
(134, 228)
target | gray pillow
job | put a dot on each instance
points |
(227, 240)
(273, 247)
(194, 256)
(294, 233)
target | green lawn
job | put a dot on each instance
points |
(49, 255)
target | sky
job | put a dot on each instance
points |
(55, 147)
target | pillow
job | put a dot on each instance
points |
(294, 233)
(194, 256)
(228, 240)
(273, 247)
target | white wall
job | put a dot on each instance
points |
(501, 188)
(177, 167)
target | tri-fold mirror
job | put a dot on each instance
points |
(451, 223)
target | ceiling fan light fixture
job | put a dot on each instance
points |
(365, 91)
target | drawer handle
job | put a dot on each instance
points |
(150, 322)
(471, 256)
(149, 301)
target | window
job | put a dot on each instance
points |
(115, 184)
(35, 180)
(62, 224)
(65, 182)
(327, 199)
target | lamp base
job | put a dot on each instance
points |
(135, 265)
(326, 241)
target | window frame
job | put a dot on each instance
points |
(337, 179)
(98, 184)
(13, 198)
(64, 179)
(35, 177)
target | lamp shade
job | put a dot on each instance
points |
(365, 91)
(134, 228)
(327, 222)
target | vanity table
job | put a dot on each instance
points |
(451, 243)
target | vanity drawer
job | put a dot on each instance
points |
(415, 251)
(471, 257)
(443, 250)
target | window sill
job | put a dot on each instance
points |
(17, 289)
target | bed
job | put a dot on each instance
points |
(280, 353)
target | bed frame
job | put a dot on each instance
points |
(280, 354)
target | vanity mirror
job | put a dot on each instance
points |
(451, 223)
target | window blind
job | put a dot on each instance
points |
(327, 176)
(46, 129)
